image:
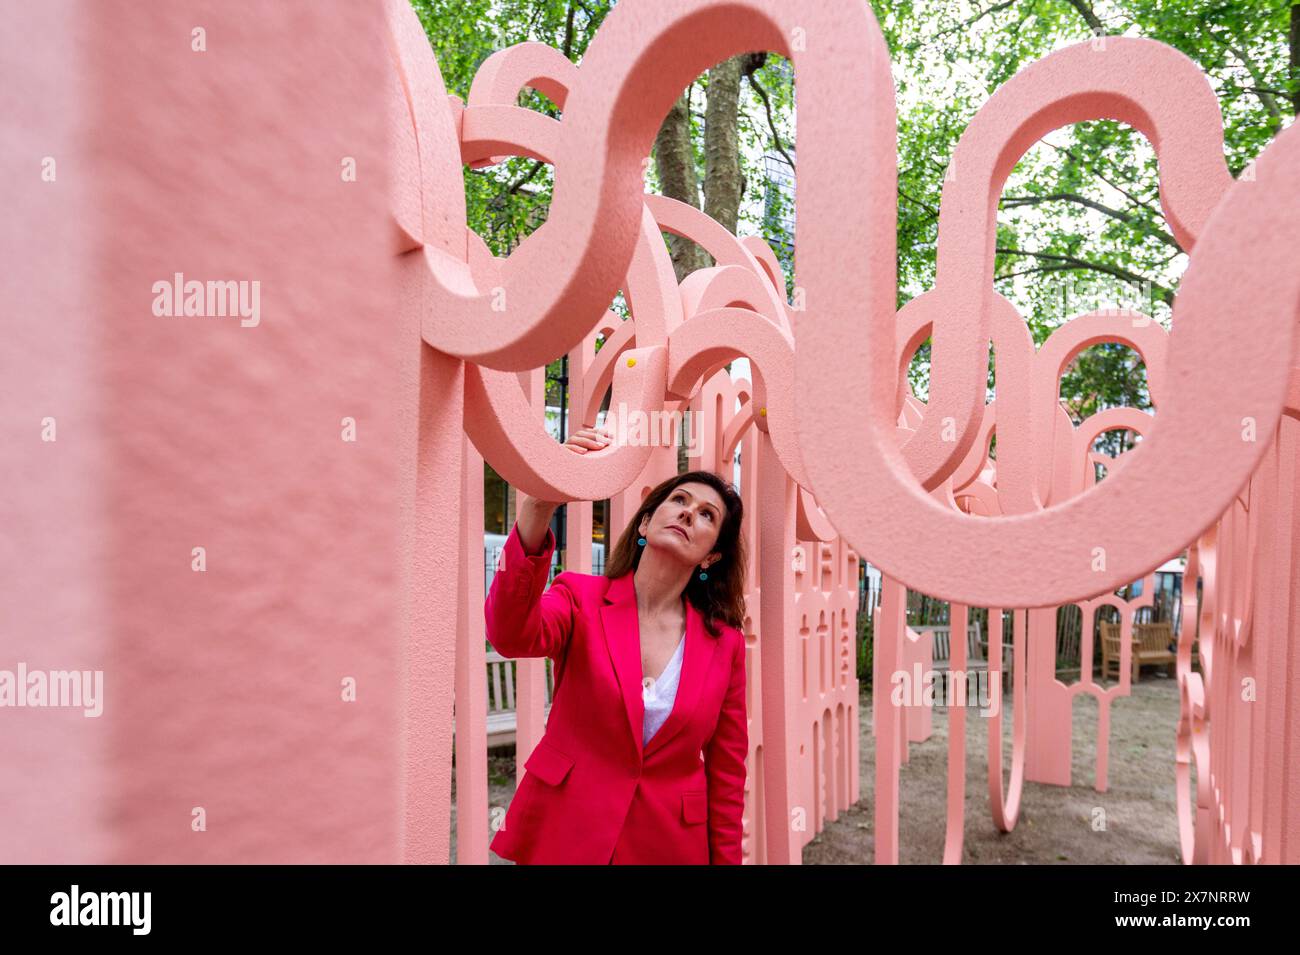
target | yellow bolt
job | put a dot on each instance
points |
(762, 412)
(631, 362)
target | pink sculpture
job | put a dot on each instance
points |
(839, 463)
(1031, 532)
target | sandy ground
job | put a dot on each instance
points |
(1055, 824)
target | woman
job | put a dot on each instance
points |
(643, 758)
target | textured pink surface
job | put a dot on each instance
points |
(223, 688)
(331, 559)
(914, 489)
(510, 315)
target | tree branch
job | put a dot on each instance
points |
(1270, 104)
(1089, 17)
(1112, 270)
(771, 122)
(1257, 89)
(1122, 216)
(934, 213)
(1154, 210)
(525, 178)
(975, 19)
(1035, 269)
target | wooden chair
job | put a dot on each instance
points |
(942, 651)
(976, 650)
(1151, 642)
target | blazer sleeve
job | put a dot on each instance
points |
(724, 768)
(524, 618)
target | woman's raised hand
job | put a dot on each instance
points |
(589, 439)
(533, 514)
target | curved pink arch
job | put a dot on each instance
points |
(1139, 332)
(507, 431)
(487, 131)
(727, 286)
(1004, 802)
(500, 420)
(1234, 340)
(428, 214)
(1179, 114)
(528, 65)
(562, 277)
(708, 340)
(767, 260)
(686, 221)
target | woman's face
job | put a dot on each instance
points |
(687, 524)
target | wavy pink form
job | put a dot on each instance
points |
(1036, 525)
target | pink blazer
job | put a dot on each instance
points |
(591, 793)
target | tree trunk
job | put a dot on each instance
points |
(675, 164)
(723, 183)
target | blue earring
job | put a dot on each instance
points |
(703, 576)
(641, 541)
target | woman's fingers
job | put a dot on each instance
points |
(588, 439)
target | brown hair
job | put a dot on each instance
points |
(722, 596)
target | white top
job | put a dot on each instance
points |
(658, 697)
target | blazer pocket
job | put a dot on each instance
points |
(695, 807)
(548, 764)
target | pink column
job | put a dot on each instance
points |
(251, 689)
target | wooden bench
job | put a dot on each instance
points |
(943, 652)
(1151, 642)
(501, 698)
(976, 650)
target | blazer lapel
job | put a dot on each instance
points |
(622, 626)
